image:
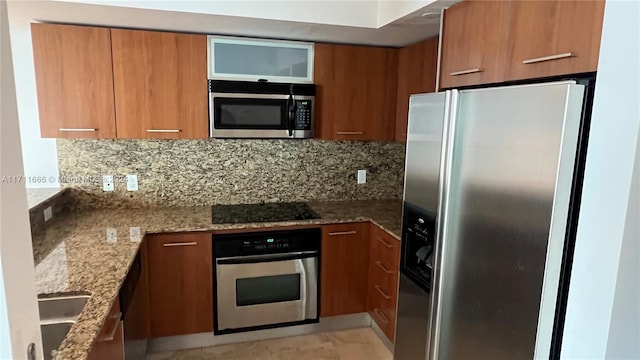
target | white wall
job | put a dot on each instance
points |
(624, 331)
(362, 13)
(391, 10)
(18, 307)
(40, 155)
(606, 196)
(5, 337)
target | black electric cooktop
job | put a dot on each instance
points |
(263, 212)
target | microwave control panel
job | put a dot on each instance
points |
(303, 115)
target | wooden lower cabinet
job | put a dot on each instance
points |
(344, 269)
(137, 325)
(110, 342)
(180, 284)
(384, 264)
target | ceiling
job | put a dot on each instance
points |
(368, 22)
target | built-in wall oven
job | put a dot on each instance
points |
(254, 109)
(266, 279)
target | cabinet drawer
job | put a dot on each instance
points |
(386, 324)
(382, 276)
(384, 298)
(383, 312)
(385, 248)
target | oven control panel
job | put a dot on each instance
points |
(264, 244)
(272, 242)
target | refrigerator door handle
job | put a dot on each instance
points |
(448, 134)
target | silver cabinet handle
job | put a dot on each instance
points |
(381, 315)
(386, 271)
(163, 130)
(465, 72)
(548, 58)
(389, 246)
(350, 132)
(192, 243)
(337, 233)
(114, 327)
(77, 130)
(384, 295)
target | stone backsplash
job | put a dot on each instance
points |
(204, 172)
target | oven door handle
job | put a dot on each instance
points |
(252, 259)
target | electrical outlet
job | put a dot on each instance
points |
(134, 234)
(107, 183)
(362, 176)
(112, 235)
(132, 182)
(48, 214)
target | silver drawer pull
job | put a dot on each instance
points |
(386, 271)
(377, 287)
(350, 132)
(77, 130)
(163, 130)
(465, 72)
(193, 243)
(547, 58)
(389, 246)
(112, 332)
(381, 316)
(337, 233)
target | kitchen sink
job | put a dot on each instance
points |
(57, 315)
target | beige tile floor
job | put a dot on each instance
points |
(356, 344)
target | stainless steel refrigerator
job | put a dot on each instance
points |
(492, 184)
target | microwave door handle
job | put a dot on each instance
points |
(291, 107)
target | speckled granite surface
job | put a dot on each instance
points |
(74, 256)
(216, 171)
(58, 199)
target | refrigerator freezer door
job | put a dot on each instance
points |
(412, 328)
(424, 144)
(508, 185)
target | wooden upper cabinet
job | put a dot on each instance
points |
(356, 92)
(74, 81)
(344, 269)
(416, 74)
(160, 82)
(180, 284)
(554, 38)
(474, 39)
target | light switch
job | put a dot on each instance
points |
(112, 235)
(134, 234)
(362, 176)
(132, 182)
(48, 214)
(107, 183)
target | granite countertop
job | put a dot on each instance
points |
(36, 196)
(75, 256)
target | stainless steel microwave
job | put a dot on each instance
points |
(247, 109)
